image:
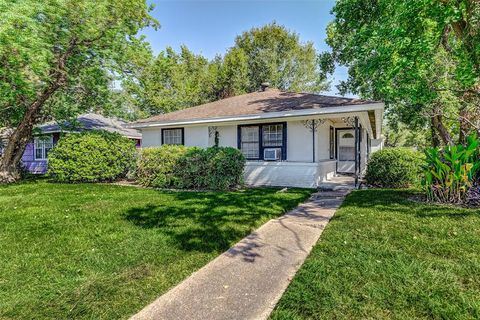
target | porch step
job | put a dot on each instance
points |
(339, 183)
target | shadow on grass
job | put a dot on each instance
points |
(213, 221)
(400, 202)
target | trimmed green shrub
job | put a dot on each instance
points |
(91, 156)
(157, 166)
(394, 168)
(190, 167)
(212, 168)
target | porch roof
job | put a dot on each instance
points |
(261, 102)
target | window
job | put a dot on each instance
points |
(250, 142)
(346, 153)
(332, 143)
(348, 136)
(42, 146)
(173, 136)
(273, 135)
(254, 139)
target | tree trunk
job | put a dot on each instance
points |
(435, 139)
(10, 160)
(464, 126)
(437, 122)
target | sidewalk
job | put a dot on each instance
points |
(247, 281)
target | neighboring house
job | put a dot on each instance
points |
(289, 139)
(36, 153)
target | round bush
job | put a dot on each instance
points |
(156, 166)
(395, 168)
(212, 168)
(91, 156)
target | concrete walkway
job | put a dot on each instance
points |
(248, 280)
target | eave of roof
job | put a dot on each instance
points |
(266, 115)
(259, 102)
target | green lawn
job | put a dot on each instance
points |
(385, 257)
(104, 252)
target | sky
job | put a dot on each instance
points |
(209, 27)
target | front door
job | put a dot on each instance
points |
(346, 151)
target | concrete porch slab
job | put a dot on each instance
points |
(337, 183)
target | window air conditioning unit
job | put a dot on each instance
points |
(271, 154)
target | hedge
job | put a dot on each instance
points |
(157, 166)
(395, 168)
(91, 156)
(190, 167)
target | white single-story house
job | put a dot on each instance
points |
(288, 139)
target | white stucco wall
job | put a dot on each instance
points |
(299, 139)
(377, 144)
(196, 136)
(151, 138)
(291, 174)
(323, 141)
(227, 136)
(299, 142)
(297, 171)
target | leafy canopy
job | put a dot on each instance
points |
(64, 52)
(275, 55)
(171, 81)
(177, 80)
(421, 56)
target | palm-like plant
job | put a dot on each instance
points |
(450, 172)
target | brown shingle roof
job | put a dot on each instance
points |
(271, 100)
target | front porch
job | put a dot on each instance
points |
(315, 152)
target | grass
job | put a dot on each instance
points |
(104, 252)
(386, 257)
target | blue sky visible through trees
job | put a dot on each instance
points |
(209, 27)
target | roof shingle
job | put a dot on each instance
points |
(270, 100)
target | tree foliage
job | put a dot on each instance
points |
(422, 57)
(172, 81)
(177, 80)
(58, 57)
(275, 55)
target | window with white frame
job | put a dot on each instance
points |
(42, 146)
(250, 142)
(172, 136)
(272, 135)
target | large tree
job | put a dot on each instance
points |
(171, 81)
(421, 56)
(276, 55)
(58, 57)
(177, 80)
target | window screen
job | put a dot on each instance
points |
(346, 153)
(42, 145)
(172, 136)
(272, 135)
(250, 144)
